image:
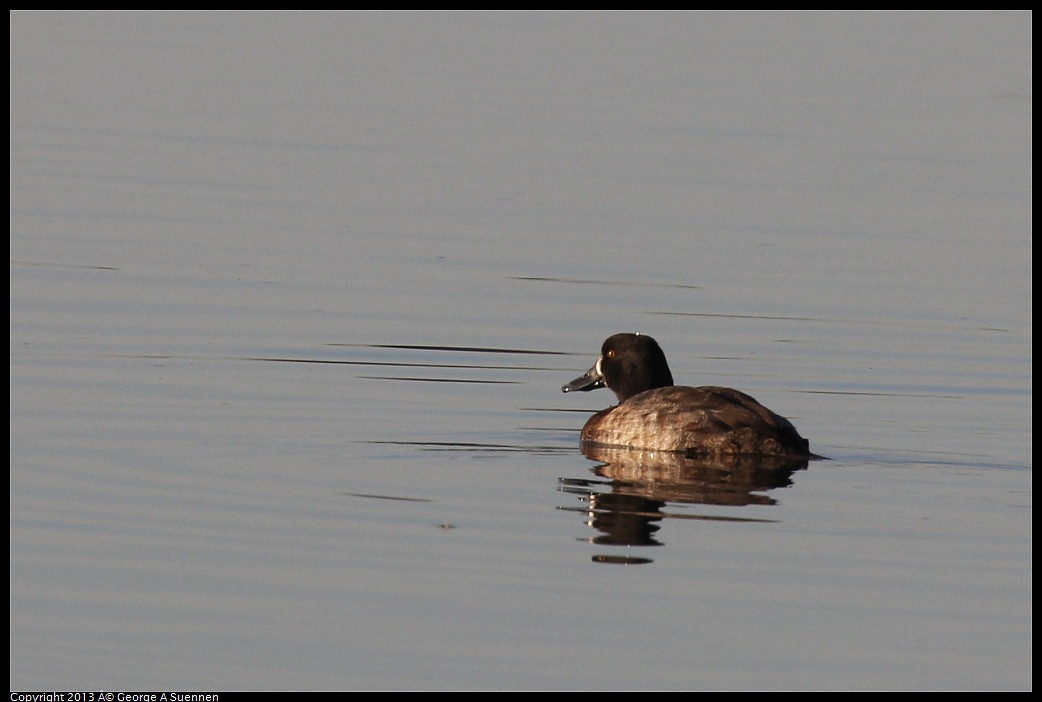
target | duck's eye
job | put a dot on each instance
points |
(610, 353)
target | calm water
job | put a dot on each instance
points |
(293, 296)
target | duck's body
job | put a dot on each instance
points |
(653, 414)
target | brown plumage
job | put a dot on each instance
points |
(653, 414)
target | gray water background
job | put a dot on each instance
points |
(276, 284)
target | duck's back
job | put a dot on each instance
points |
(710, 420)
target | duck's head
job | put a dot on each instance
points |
(629, 364)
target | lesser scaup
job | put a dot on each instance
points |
(655, 415)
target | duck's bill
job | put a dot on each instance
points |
(591, 380)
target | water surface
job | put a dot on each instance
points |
(293, 295)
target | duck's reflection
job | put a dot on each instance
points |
(637, 485)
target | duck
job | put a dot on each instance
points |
(653, 414)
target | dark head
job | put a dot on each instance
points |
(629, 364)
